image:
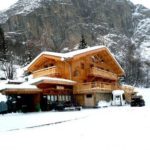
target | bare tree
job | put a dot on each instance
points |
(7, 58)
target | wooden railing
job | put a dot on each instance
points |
(102, 73)
(50, 71)
(94, 87)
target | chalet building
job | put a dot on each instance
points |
(84, 76)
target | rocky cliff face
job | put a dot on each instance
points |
(58, 24)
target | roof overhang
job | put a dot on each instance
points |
(105, 51)
(40, 59)
(23, 88)
(49, 80)
(73, 56)
(20, 91)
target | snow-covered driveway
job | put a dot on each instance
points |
(113, 128)
(17, 121)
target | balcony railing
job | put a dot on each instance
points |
(50, 71)
(95, 87)
(102, 73)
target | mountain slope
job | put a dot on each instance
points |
(58, 24)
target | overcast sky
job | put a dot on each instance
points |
(4, 4)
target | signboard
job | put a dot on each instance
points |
(60, 87)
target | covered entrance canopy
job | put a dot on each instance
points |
(21, 97)
(50, 80)
(51, 85)
(57, 92)
(19, 89)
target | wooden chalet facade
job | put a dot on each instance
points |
(84, 76)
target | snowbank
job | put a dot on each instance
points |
(3, 98)
(103, 103)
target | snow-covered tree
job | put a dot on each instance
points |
(30, 52)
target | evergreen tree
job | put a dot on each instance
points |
(83, 43)
(3, 47)
(29, 54)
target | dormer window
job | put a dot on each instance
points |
(51, 65)
(48, 65)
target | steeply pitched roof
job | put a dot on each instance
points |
(63, 56)
(74, 54)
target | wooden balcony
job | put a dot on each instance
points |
(94, 87)
(102, 73)
(50, 71)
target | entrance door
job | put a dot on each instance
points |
(89, 100)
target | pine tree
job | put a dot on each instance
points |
(83, 43)
(29, 52)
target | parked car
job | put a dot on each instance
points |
(66, 105)
(137, 101)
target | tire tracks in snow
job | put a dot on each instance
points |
(48, 124)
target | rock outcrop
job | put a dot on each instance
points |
(58, 24)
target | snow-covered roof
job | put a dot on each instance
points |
(25, 85)
(51, 80)
(68, 55)
(77, 52)
(31, 84)
(118, 92)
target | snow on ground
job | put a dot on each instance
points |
(115, 128)
(111, 128)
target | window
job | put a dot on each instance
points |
(59, 98)
(48, 65)
(91, 65)
(45, 66)
(52, 98)
(55, 97)
(48, 97)
(63, 97)
(89, 95)
(69, 97)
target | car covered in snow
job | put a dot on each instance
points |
(138, 101)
